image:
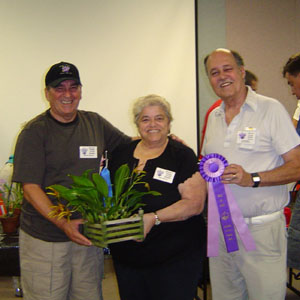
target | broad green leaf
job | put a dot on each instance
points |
(81, 181)
(58, 188)
(100, 184)
(120, 180)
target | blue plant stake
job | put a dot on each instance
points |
(106, 176)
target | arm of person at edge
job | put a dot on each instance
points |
(286, 173)
(40, 201)
(295, 122)
(193, 195)
(295, 117)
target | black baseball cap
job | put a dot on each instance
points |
(61, 72)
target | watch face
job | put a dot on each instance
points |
(256, 179)
(157, 220)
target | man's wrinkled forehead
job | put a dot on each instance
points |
(220, 59)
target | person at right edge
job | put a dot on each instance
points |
(291, 71)
(256, 136)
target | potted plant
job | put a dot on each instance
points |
(11, 196)
(109, 218)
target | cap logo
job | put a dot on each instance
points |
(65, 69)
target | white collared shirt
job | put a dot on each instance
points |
(255, 139)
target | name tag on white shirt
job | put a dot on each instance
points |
(246, 138)
(88, 152)
(164, 175)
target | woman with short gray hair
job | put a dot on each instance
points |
(167, 264)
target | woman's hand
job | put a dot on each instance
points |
(149, 221)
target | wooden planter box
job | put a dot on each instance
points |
(115, 231)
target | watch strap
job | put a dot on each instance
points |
(157, 220)
(255, 179)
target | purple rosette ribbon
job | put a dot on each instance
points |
(222, 209)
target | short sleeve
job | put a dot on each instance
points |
(29, 157)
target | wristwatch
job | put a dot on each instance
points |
(157, 220)
(256, 179)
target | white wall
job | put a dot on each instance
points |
(123, 49)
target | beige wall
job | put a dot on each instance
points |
(266, 33)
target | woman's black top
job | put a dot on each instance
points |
(167, 241)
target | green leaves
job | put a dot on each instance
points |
(89, 195)
(120, 180)
(100, 184)
(12, 196)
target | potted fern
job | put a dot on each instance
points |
(109, 218)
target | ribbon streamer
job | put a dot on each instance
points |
(222, 209)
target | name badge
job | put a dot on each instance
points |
(88, 152)
(246, 138)
(164, 175)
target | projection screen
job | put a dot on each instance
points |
(124, 49)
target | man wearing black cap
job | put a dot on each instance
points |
(55, 260)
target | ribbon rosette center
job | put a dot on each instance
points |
(213, 167)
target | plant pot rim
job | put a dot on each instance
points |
(4, 217)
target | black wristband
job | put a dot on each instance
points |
(255, 179)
